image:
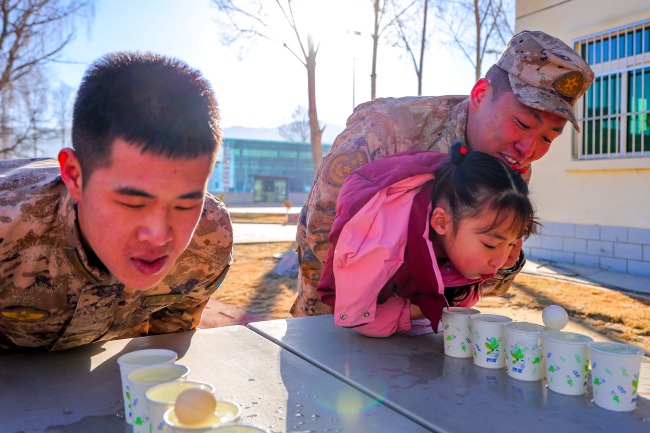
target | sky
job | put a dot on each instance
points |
(263, 88)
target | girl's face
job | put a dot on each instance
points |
(474, 252)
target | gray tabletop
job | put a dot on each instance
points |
(413, 376)
(79, 390)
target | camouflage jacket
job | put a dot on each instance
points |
(51, 297)
(374, 130)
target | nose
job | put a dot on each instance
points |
(156, 228)
(497, 260)
(526, 146)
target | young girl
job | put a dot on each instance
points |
(407, 242)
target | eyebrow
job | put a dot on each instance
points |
(134, 192)
(538, 117)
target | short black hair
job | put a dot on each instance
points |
(154, 102)
(499, 81)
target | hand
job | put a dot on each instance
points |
(513, 256)
(416, 313)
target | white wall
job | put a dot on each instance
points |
(605, 192)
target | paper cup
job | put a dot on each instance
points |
(143, 379)
(456, 331)
(524, 356)
(138, 359)
(225, 413)
(488, 340)
(162, 397)
(615, 369)
(567, 361)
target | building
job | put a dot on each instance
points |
(263, 171)
(591, 189)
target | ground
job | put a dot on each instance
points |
(619, 316)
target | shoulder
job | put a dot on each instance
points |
(213, 234)
(30, 192)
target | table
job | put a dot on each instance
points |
(414, 377)
(79, 390)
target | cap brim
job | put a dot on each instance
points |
(542, 99)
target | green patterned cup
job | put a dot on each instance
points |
(457, 332)
(615, 369)
(567, 361)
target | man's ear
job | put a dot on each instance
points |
(479, 92)
(441, 221)
(70, 172)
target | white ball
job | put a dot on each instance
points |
(555, 317)
(194, 405)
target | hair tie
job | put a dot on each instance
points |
(457, 153)
(523, 170)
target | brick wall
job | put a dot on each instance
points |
(611, 248)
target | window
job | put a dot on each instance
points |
(614, 114)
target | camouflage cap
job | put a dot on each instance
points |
(545, 73)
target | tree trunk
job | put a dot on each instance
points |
(314, 128)
(375, 42)
(423, 42)
(477, 20)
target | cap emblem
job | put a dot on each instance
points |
(569, 84)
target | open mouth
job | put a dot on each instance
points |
(149, 266)
(511, 161)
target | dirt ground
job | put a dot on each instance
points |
(619, 316)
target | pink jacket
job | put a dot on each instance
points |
(382, 207)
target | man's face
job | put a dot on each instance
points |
(508, 129)
(138, 215)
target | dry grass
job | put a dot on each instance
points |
(617, 315)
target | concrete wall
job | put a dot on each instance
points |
(596, 197)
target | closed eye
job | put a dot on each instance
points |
(490, 247)
(131, 206)
(521, 124)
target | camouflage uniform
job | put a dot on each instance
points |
(52, 296)
(544, 73)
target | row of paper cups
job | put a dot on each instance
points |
(530, 352)
(151, 383)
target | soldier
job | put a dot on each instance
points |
(120, 238)
(514, 113)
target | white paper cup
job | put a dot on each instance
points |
(143, 379)
(457, 332)
(138, 359)
(488, 340)
(225, 413)
(524, 357)
(567, 361)
(615, 369)
(162, 397)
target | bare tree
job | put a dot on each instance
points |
(34, 33)
(62, 99)
(488, 32)
(247, 20)
(298, 128)
(385, 13)
(410, 25)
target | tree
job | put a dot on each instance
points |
(62, 110)
(385, 13)
(298, 128)
(34, 33)
(247, 20)
(488, 32)
(413, 38)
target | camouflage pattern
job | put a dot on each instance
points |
(545, 73)
(376, 129)
(52, 297)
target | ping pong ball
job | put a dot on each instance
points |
(555, 317)
(194, 405)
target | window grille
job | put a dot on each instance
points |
(614, 114)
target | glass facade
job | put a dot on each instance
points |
(242, 163)
(614, 113)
